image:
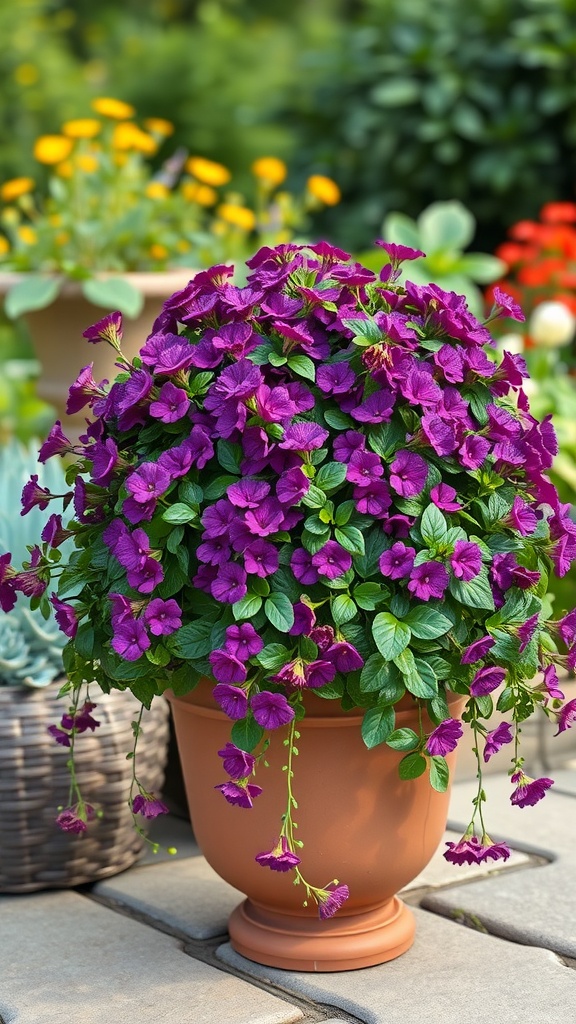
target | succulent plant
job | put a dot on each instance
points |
(30, 645)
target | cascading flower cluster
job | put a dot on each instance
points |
(323, 480)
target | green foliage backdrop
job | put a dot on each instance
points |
(402, 103)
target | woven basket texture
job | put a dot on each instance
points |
(34, 783)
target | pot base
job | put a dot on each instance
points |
(309, 944)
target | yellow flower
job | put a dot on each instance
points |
(270, 170)
(81, 128)
(324, 189)
(26, 74)
(86, 162)
(27, 235)
(15, 188)
(182, 245)
(65, 169)
(62, 238)
(116, 109)
(52, 149)
(158, 252)
(156, 190)
(207, 171)
(239, 216)
(128, 135)
(4, 246)
(204, 195)
(158, 126)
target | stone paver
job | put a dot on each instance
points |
(64, 958)
(186, 895)
(450, 974)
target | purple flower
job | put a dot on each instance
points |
(148, 806)
(397, 253)
(377, 408)
(347, 444)
(65, 616)
(550, 681)
(243, 641)
(330, 900)
(444, 738)
(260, 558)
(487, 679)
(241, 793)
(374, 499)
(292, 486)
(506, 305)
(567, 628)
(146, 576)
(529, 791)
(54, 533)
(214, 552)
(526, 631)
(34, 496)
(239, 764)
(84, 391)
(466, 560)
(304, 620)
(335, 378)
(496, 739)
(280, 858)
(473, 451)
(443, 496)
(427, 580)
(302, 567)
(231, 699)
(271, 710)
(61, 737)
(397, 561)
(109, 329)
(566, 716)
(218, 518)
(364, 468)
(521, 517)
(147, 482)
(171, 405)
(303, 437)
(266, 518)
(248, 493)
(230, 584)
(470, 850)
(408, 474)
(130, 639)
(344, 657)
(55, 444)
(69, 821)
(477, 650)
(163, 617)
(332, 560)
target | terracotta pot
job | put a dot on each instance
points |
(56, 334)
(34, 782)
(358, 820)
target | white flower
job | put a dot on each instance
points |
(552, 325)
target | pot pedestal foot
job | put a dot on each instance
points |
(342, 943)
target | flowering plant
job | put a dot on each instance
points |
(106, 210)
(324, 480)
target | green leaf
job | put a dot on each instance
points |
(377, 725)
(386, 438)
(439, 773)
(84, 640)
(403, 739)
(419, 679)
(475, 593)
(273, 656)
(343, 512)
(351, 539)
(343, 609)
(114, 293)
(390, 636)
(246, 733)
(330, 476)
(179, 513)
(229, 456)
(338, 420)
(427, 623)
(446, 224)
(375, 542)
(412, 766)
(369, 595)
(433, 526)
(303, 366)
(194, 640)
(247, 607)
(32, 292)
(279, 611)
(277, 360)
(216, 488)
(314, 497)
(363, 328)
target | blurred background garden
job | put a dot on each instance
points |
(447, 125)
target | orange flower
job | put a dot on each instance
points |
(208, 171)
(524, 230)
(324, 189)
(4, 245)
(52, 149)
(510, 253)
(158, 252)
(127, 136)
(204, 195)
(270, 170)
(156, 190)
(81, 128)
(116, 109)
(567, 298)
(558, 213)
(15, 188)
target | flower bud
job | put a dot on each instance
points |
(552, 325)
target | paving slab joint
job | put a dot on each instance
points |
(568, 961)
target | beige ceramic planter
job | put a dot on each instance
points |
(56, 333)
(359, 823)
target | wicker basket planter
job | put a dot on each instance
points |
(34, 852)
